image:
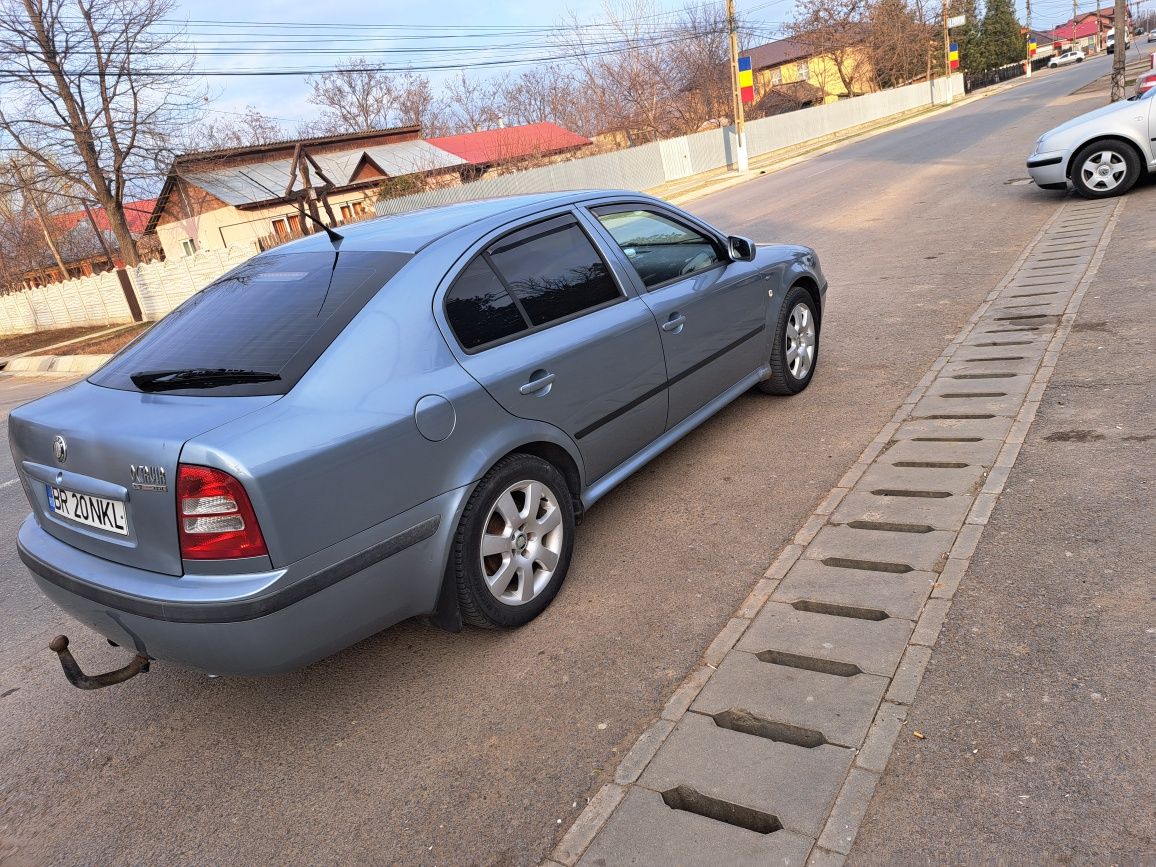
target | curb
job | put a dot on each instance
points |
(48, 365)
(627, 818)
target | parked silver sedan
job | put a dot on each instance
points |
(1102, 153)
(409, 420)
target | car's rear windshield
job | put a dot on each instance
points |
(275, 314)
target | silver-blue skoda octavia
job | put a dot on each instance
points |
(409, 420)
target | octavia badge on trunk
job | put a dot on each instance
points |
(145, 478)
(60, 449)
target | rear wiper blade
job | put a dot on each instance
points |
(197, 377)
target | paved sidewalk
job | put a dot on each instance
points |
(771, 750)
(1038, 706)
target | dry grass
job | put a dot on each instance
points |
(14, 344)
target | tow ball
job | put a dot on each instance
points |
(59, 646)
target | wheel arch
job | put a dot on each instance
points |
(562, 460)
(807, 282)
(1101, 139)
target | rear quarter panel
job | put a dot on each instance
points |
(342, 452)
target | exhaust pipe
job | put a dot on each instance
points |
(59, 646)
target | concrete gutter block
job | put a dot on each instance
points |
(588, 823)
(724, 641)
(1006, 405)
(876, 750)
(954, 480)
(994, 428)
(901, 596)
(918, 551)
(842, 708)
(823, 858)
(982, 453)
(907, 679)
(875, 646)
(635, 761)
(942, 513)
(686, 692)
(973, 377)
(949, 579)
(839, 834)
(966, 542)
(931, 622)
(645, 832)
(796, 784)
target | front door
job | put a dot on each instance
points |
(544, 326)
(711, 311)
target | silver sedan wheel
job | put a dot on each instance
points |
(800, 341)
(1103, 171)
(522, 542)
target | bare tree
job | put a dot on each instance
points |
(251, 127)
(896, 43)
(473, 103)
(94, 92)
(835, 29)
(358, 98)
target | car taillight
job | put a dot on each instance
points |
(215, 518)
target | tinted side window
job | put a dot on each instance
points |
(659, 248)
(554, 270)
(479, 308)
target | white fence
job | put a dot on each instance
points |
(161, 286)
(99, 300)
(651, 165)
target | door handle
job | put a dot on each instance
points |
(674, 323)
(535, 385)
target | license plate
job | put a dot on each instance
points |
(88, 510)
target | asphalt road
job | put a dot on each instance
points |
(417, 746)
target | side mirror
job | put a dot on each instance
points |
(740, 249)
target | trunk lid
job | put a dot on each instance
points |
(119, 447)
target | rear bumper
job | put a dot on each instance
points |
(302, 614)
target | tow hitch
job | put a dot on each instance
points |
(59, 646)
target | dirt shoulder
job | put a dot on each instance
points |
(1038, 704)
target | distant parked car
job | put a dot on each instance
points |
(1102, 153)
(1145, 82)
(1074, 56)
(408, 420)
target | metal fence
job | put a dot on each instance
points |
(988, 77)
(161, 286)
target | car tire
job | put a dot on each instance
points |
(523, 512)
(1123, 170)
(1079, 60)
(795, 345)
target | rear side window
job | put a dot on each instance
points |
(479, 308)
(528, 280)
(275, 313)
(553, 270)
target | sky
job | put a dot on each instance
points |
(337, 29)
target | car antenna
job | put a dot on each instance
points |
(334, 238)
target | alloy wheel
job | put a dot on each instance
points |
(522, 542)
(800, 340)
(1103, 171)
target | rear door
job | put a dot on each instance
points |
(538, 317)
(711, 311)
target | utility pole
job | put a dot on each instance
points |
(1028, 65)
(1075, 14)
(1119, 53)
(946, 55)
(741, 163)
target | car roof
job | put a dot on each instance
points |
(410, 232)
